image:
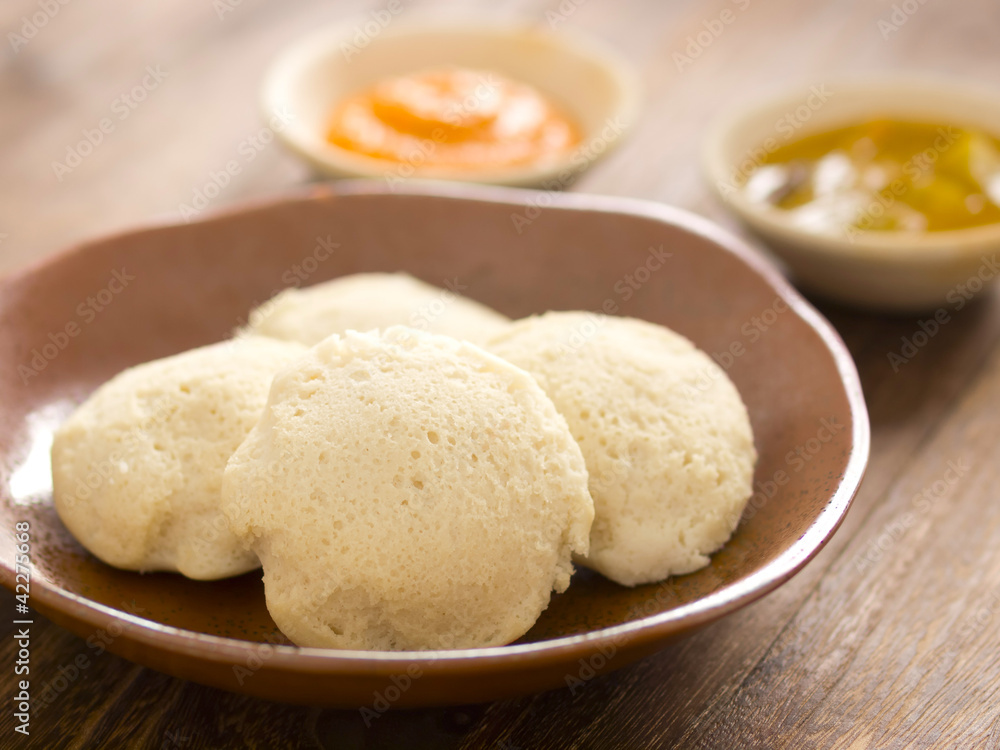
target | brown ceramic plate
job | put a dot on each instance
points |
(72, 322)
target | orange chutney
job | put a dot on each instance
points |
(453, 119)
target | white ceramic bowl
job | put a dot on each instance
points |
(588, 81)
(895, 271)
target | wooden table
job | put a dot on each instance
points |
(890, 638)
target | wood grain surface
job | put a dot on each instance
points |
(890, 638)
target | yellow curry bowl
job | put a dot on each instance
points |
(901, 271)
(578, 75)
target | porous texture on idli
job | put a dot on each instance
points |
(408, 491)
(370, 301)
(664, 433)
(137, 468)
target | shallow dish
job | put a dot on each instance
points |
(892, 271)
(587, 80)
(167, 288)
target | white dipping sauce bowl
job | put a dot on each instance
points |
(904, 272)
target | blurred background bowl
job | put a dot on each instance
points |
(583, 77)
(882, 270)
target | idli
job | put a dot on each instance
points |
(664, 433)
(137, 468)
(369, 301)
(408, 491)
